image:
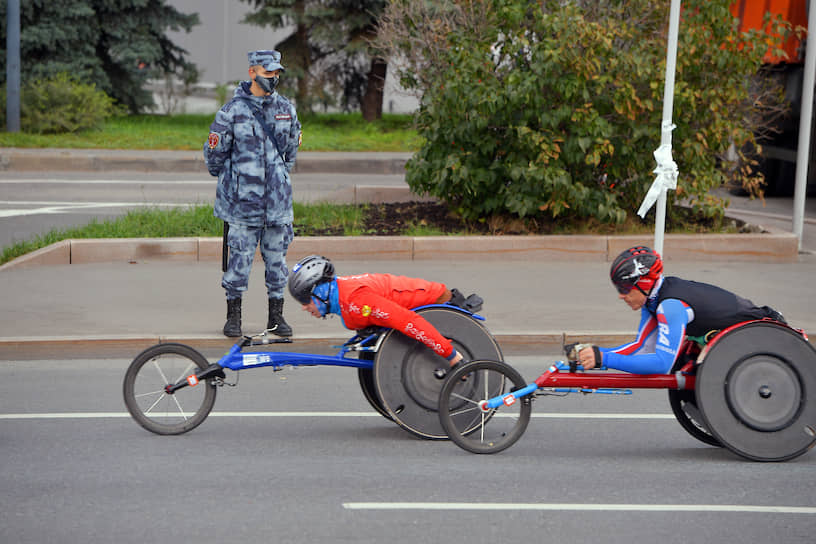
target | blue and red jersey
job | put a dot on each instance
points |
(677, 307)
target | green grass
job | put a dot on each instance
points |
(192, 221)
(321, 132)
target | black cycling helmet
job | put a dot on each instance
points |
(638, 266)
(307, 273)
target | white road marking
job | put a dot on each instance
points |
(103, 415)
(54, 181)
(46, 208)
(738, 508)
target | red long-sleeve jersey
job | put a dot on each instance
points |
(386, 300)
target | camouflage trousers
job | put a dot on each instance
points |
(242, 241)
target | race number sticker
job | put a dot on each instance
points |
(192, 380)
(509, 400)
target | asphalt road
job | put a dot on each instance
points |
(315, 464)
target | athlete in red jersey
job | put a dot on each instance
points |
(368, 300)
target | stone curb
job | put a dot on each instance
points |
(130, 346)
(105, 160)
(766, 247)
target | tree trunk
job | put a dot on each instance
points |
(373, 98)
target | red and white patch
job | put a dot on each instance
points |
(213, 139)
(509, 400)
(282, 117)
(300, 139)
(192, 380)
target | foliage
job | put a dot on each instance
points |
(114, 44)
(60, 104)
(556, 107)
(328, 52)
(321, 132)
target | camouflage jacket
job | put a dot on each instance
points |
(254, 188)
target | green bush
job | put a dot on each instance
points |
(61, 104)
(558, 109)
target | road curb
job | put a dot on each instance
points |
(189, 161)
(763, 247)
(130, 346)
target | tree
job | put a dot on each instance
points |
(329, 51)
(555, 107)
(115, 44)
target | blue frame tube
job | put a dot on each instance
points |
(237, 359)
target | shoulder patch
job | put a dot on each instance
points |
(212, 140)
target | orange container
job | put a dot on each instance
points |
(751, 14)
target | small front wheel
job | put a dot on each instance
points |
(460, 409)
(149, 403)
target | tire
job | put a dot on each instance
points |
(463, 420)
(683, 403)
(366, 378)
(755, 386)
(146, 400)
(408, 375)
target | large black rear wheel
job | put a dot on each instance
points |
(755, 387)
(408, 375)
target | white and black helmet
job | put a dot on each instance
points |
(306, 274)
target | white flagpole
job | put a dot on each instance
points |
(805, 120)
(666, 126)
(666, 168)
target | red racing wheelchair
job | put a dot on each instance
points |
(750, 389)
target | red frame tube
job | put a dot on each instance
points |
(615, 380)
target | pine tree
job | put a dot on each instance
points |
(115, 44)
(329, 51)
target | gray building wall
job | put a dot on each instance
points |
(218, 47)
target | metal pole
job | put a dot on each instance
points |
(805, 120)
(13, 65)
(668, 106)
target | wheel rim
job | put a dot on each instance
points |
(151, 406)
(467, 424)
(764, 393)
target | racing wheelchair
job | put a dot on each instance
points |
(748, 388)
(170, 388)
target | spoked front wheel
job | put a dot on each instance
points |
(461, 412)
(146, 397)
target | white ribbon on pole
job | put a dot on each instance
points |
(666, 172)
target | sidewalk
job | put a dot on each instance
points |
(104, 308)
(104, 297)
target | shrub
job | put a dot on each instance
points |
(61, 104)
(556, 107)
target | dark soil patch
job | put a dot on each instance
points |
(396, 218)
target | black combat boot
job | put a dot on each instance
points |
(232, 327)
(276, 324)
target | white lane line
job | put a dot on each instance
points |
(739, 508)
(47, 208)
(103, 415)
(53, 181)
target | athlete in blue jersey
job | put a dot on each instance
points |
(671, 308)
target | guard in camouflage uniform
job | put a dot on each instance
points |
(252, 147)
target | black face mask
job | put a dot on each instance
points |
(267, 84)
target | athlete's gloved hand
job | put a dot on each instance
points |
(573, 352)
